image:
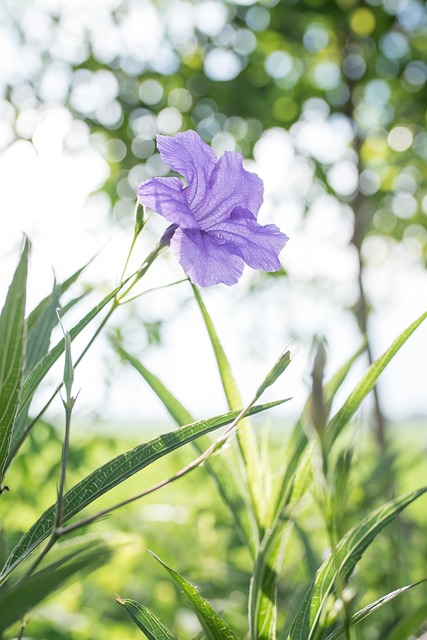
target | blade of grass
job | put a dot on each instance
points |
(12, 354)
(113, 473)
(145, 620)
(213, 625)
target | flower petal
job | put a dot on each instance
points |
(258, 245)
(166, 196)
(230, 186)
(187, 154)
(204, 260)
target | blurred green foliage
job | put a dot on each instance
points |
(190, 515)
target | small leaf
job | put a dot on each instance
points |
(113, 473)
(139, 219)
(145, 620)
(276, 371)
(213, 625)
(12, 354)
(44, 365)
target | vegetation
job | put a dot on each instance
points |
(315, 530)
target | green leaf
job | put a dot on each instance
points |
(223, 469)
(40, 327)
(340, 564)
(70, 559)
(245, 435)
(41, 322)
(213, 625)
(145, 620)
(12, 354)
(368, 381)
(113, 473)
(370, 608)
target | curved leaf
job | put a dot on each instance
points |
(113, 473)
(245, 436)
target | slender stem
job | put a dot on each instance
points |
(64, 459)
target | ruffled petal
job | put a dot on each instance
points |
(187, 154)
(204, 260)
(230, 186)
(166, 196)
(258, 245)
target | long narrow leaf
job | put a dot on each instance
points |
(359, 616)
(368, 381)
(213, 625)
(145, 620)
(297, 473)
(113, 473)
(245, 435)
(341, 562)
(12, 354)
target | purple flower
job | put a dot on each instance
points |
(214, 230)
